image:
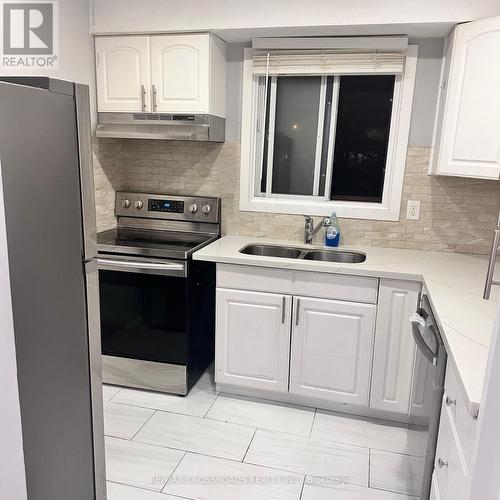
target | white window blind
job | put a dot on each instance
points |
(328, 62)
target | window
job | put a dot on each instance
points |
(318, 143)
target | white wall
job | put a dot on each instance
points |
(12, 474)
(486, 473)
(75, 46)
(191, 15)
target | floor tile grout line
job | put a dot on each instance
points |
(146, 489)
(369, 467)
(173, 472)
(142, 426)
(303, 486)
(313, 420)
(249, 444)
(210, 407)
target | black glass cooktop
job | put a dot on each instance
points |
(173, 244)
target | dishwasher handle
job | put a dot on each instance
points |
(419, 323)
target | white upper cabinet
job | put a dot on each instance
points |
(467, 131)
(123, 73)
(253, 339)
(179, 74)
(394, 352)
(332, 350)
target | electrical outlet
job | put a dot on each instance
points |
(413, 210)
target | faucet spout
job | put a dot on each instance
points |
(310, 229)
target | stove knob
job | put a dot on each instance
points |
(139, 204)
(193, 208)
(126, 203)
(206, 209)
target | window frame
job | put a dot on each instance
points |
(250, 181)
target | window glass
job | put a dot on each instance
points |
(362, 137)
(295, 134)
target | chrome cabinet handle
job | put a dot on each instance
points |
(155, 104)
(143, 97)
(283, 310)
(450, 402)
(297, 315)
(491, 266)
(442, 463)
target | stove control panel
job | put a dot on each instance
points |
(172, 206)
(168, 207)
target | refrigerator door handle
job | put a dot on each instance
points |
(416, 322)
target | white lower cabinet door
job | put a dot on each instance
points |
(394, 352)
(253, 339)
(332, 350)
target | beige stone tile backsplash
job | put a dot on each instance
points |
(457, 215)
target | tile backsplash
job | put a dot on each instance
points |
(457, 215)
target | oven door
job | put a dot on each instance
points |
(144, 320)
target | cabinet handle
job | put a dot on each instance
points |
(297, 316)
(450, 401)
(283, 310)
(442, 463)
(143, 97)
(155, 104)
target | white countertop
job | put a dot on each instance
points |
(455, 283)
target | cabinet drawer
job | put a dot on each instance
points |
(464, 423)
(336, 287)
(451, 473)
(261, 279)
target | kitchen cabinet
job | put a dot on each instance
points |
(331, 350)
(123, 73)
(466, 138)
(253, 339)
(394, 352)
(184, 74)
(456, 443)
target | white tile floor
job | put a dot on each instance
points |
(210, 446)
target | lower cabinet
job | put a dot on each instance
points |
(394, 353)
(253, 339)
(331, 350)
(315, 337)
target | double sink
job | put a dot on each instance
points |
(289, 252)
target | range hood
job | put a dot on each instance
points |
(179, 127)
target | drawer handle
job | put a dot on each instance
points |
(442, 463)
(450, 402)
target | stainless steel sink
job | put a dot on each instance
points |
(348, 257)
(272, 251)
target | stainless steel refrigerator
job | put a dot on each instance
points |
(46, 168)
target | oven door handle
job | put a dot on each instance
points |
(145, 267)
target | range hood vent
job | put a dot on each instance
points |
(174, 127)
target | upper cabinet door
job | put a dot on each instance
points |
(467, 139)
(180, 73)
(332, 350)
(123, 73)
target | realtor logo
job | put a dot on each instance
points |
(29, 29)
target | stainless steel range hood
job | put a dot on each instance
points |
(179, 127)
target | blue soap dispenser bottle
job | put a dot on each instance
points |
(332, 234)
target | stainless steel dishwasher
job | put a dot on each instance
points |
(427, 395)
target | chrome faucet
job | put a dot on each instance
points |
(310, 229)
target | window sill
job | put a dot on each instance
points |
(346, 210)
